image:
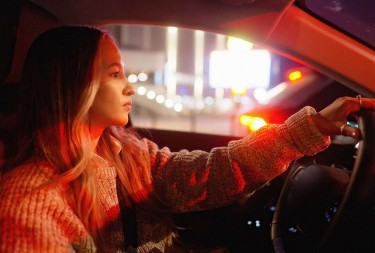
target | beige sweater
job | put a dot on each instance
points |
(40, 220)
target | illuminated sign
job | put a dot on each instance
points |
(240, 69)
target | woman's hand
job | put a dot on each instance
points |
(332, 119)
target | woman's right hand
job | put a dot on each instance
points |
(332, 119)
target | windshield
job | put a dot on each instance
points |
(356, 18)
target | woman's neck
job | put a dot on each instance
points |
(96, 133)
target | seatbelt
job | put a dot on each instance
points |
(129, 221)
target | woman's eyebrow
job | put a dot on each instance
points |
(117, 64)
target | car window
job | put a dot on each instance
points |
(195, 81)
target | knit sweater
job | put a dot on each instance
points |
(40, 219)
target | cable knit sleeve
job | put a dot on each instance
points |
(200, 180)
(37, 219)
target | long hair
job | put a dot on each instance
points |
(60, 79)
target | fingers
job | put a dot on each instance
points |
(366, 103)
(354, 105)
(332, 119)
(351, 104)
(348, 130)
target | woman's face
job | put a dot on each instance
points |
(112, 102)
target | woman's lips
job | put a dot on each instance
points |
(128, 105)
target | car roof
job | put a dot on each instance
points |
(278, 25)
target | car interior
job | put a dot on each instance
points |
(323, 203)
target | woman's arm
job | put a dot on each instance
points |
(199, 180)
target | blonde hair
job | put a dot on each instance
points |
(61, 78)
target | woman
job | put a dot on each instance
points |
(69, 151)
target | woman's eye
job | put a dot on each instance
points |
(115, 74)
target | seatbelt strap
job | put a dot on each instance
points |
(129, 220)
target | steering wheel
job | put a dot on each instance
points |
(351, 226)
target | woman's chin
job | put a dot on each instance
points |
(122, 122)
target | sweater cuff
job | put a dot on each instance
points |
(304, 132)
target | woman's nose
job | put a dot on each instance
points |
(129, 89)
